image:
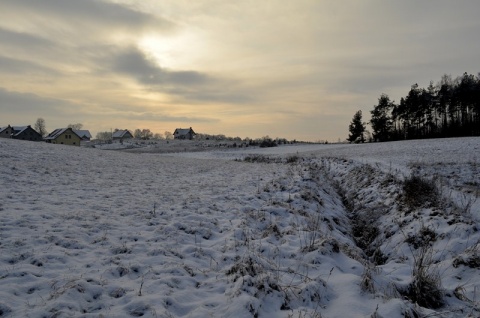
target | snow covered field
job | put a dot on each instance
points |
(291, 231)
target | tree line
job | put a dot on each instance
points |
(147, 134)
(449, 108)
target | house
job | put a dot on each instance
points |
(122, 134)
(25, 133)
(63, 136)
(6, 132)
(181, 133)
(83, 134)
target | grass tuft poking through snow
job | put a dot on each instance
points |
(426, 287)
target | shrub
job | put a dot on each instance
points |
(419, 192)
(292, 159)
(267, 142)
(257, 158)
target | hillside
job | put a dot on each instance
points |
(374, 230)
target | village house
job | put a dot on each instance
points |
(122, 135)
(63, 136)
(20, 132)
(84, 134)
(26, 133)
(6, 132)
(181, 133)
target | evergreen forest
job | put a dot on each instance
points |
(450, 108)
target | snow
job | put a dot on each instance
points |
(167, 230)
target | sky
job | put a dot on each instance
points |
(290, 69)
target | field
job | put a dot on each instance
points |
(374, 230)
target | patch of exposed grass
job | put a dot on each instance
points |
(419, 192)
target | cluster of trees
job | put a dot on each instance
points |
(144, 134)
(41, 127)
(264, 141)
(451, 108)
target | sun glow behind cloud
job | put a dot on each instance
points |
(238, 68)
(180, 51)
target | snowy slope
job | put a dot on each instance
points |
(94, 233)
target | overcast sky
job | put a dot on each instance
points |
(293, 69)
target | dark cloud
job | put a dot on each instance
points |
(92, 13)
(23, 103)
(331, 58)
(24, 40)
(188, 85)
(18, 108)
(25, 53)
(23, 67)
(134, 63)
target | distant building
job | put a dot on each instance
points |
(25, 133)
(63, 136)
(6, 132)
(20, 132)
(181, 133)
(122, 135)
(83, 134)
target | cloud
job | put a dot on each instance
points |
(26, 41)
(67, 37)
(285, 67)
(26, 53)
(162, 117)
(133, 62)
(59, 113)
(92, 15)
(28, 102)
(23, 67)
(20, 108)
(187, 85)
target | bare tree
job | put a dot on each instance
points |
(104, 135)
(137, 134)
(146, 134)
(168, 135)
(40, 127)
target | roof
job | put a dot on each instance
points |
(3, 128)
(183, 131)
(54, 134)
(120, 133)
(83, 133)
(18, 129)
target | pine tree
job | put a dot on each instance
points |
(381, 120)
(357, 128)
